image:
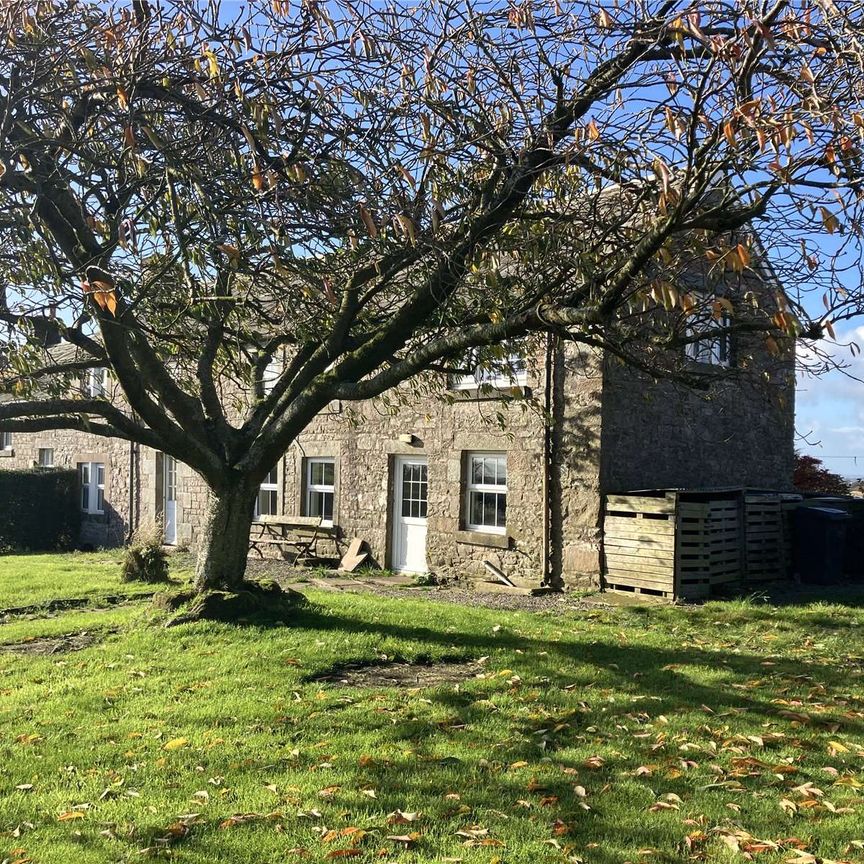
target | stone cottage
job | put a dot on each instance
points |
(471, 475)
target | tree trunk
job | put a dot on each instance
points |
(225, 543)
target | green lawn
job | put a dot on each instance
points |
(27, 580)
(648, 734)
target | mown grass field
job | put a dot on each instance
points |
(34, 580)
(651, 734)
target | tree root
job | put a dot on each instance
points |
(251, 603)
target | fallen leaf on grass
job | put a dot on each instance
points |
(473, 832)
(808, 790)
(176, 743)
(670, 801)
(399, 817)
(356, 834)
(343, 853)
(243, 818)
(69, 815)
(406, 839)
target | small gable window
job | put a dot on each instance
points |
(707, 332)
(96, 383)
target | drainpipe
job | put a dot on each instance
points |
(547, 463)
(131, 491)
(134, 497)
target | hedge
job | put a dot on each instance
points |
(39, 510)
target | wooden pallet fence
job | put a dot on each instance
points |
(693, 571)
(639, 544)
(724, 541)
(656, 545)
(763, 525)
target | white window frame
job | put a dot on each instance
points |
(45, 463)
(96, 385)
(6, 441)
(514, 376)
(272, 372)
(313, 488)
(709, 350)
(473, 488)
(270, 486)
(92, 475)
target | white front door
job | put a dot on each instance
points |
(169, 484)
(410, 496)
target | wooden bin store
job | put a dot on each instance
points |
(674, 544)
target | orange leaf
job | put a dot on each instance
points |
(829, 220)
(368, 221)
(407, 175)
(111, 302)
(229, 250)
(70, 815)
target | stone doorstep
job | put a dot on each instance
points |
(501, 588)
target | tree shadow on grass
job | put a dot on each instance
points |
(634, 670)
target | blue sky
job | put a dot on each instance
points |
(830, 409)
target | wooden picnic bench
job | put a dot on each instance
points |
(287, 534)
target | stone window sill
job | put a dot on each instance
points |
(496, 394)
(481, 538)
(6, 454)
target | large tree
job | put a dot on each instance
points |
(368, 190)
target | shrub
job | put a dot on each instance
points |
(40, 510)
(812, 476)
(145, 559)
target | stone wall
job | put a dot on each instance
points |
(70, 450)
(575, 500)
(658, 435)
(364, 440)
(738, 432)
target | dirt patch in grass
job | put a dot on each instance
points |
(44, 646)
(399, 673)
(65, 604)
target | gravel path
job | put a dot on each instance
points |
(300, 580)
